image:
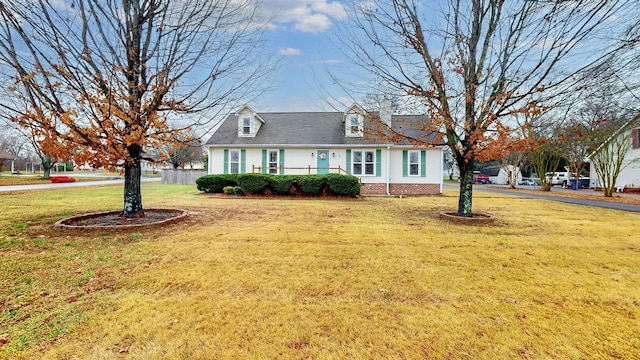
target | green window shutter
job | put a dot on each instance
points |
(349, 170)
(226, 161)
(423, 163)
(281, 161)
(264, 161)
(378, 162)
(243, 160)
(405, 163)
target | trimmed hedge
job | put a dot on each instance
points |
(342, 185)
(281, 184)
(253, 183)
(216, 183)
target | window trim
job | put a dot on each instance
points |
(276, 169)
(418, 162)
(246, 126)
(358, 127)
(231, 162)
(363, 162)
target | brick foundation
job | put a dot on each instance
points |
(400, 189)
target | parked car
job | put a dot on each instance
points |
(479, 178)
(532, 181)
(558, 178)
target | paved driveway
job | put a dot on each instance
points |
(551, 197)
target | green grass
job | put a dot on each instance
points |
(318, 279)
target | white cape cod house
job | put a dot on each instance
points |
(324, 142)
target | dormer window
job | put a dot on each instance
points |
(246, 126)
(353, 121)
(354, 125)
(249, 122)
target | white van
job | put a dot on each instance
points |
(558, 178)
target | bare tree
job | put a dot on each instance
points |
(604, 130)
(608, 160)
(112, 79)
(473, 64)
(185, 153)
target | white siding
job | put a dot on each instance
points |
(305, 158)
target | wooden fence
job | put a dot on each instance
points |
(181, 176)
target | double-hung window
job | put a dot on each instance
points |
(354, 126)
(363, 163)
(414, 163)
(246, 126)
(273, 161)
(234, 161)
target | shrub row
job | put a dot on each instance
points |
(337, 184)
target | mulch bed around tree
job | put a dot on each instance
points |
(113, 220)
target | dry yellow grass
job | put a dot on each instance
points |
(318, 279)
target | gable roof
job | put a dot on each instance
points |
(299, 128)
(7, 156)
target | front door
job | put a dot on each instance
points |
(323, 161)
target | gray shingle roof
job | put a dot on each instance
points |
(4, 155)
(293, 128)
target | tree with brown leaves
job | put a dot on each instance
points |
(107, 80)
(474, 64)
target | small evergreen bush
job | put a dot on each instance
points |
(254, 183)
(311, 184)
(215, 183)
(343, 185)
(233, 190)
(282, 183)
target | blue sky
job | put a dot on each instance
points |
(301, 33)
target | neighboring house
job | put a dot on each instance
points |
(501, 177)
(4, 155)
(630, 173)
(323, 142)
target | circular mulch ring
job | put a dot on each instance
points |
(111, 220)
(476, 219)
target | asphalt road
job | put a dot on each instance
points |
(551, 197)
(67, 185)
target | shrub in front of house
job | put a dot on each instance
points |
(216, 183)
(343, 185)
(233, 190)
(254, 183)
(281, 184)
(312, 184)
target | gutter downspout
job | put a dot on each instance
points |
(388, 180)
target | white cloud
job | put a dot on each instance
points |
(313, 16)
(334, 9)
(315, 23)
(289, 52)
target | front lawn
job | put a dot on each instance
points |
(372, 278)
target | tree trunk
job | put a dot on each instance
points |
(47, 165)
(466, 190)
(132, 190)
